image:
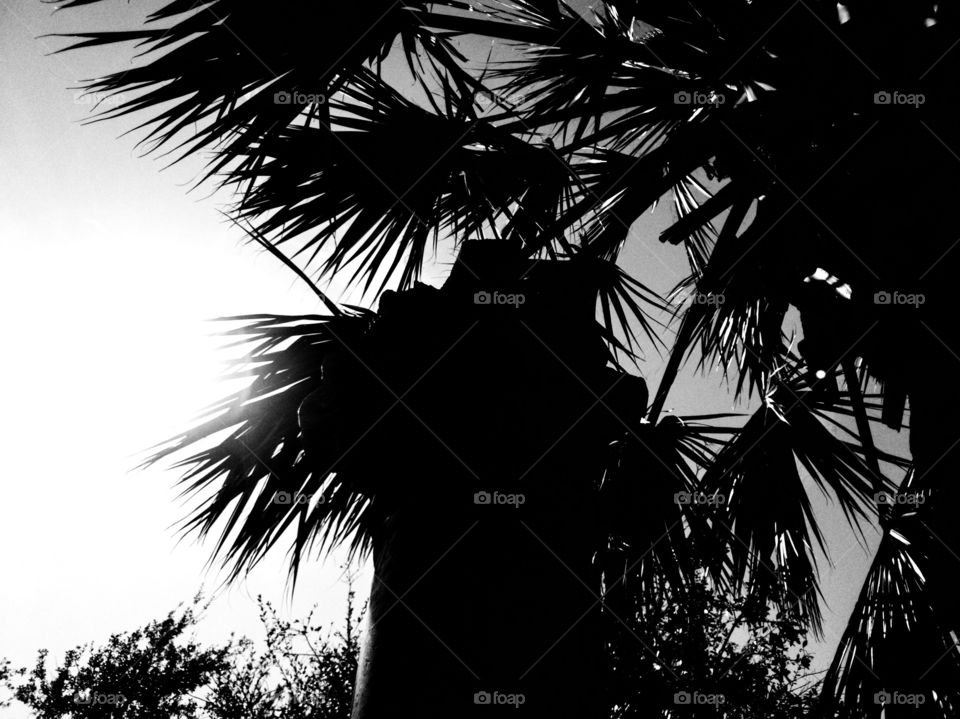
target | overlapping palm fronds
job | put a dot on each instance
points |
(378, 203)
(694, 227)
(735, 498)
(660, 528)
(240, 71)
(624, 301)
(252, 454)
(729, 318)
(569, 72)
(773, 533)
(893, 642)
(594, 119)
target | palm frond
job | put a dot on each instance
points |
(694, 227)
(625, 302)
(252, 465)
(658, 532)
(325, 152)
(567, 75)
(893, 642)
(237, 72)
(774, 534)
(381, 204)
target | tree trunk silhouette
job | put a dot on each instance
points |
(935, 448)
(490, 422)
(916, 350)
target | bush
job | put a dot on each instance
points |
(160, 672)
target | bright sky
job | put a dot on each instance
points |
(110, 272)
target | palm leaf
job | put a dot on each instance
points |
(223, 63)
(774, 534)
(658, 537)
(893, 641)
(252, 448)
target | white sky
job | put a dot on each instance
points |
(109, 272)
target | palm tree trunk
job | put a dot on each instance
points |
(934, 437)
(477, 614)
(484, 599)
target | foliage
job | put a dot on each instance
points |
(149, 673)
(776, 128)
(160, 672)
(303, 672)
(700, 649)
(586, 121)
(697, 643)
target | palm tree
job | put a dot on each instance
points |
(809, 151)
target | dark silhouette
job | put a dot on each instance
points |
(161, 671)
(499, 394)
(811, 150)
(718, 649)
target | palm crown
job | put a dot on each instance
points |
(785, 134)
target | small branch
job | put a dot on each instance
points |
(272, 249)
